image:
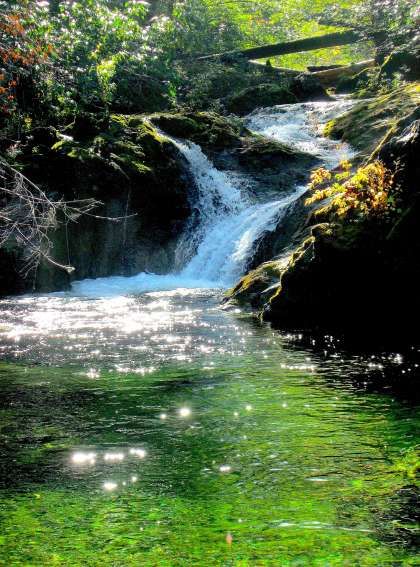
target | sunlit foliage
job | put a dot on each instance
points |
(366, 194)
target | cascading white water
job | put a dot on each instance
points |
(301, 126)
(230, 222)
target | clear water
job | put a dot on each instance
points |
(142, 424)
(159, 429)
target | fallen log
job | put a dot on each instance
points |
(330, 77)
(274, 70)
(284, 48)
(316, 68)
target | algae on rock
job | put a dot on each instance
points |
(365, 125)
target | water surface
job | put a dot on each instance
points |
(161, 429)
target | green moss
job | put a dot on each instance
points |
(205, 128)
(369, 121)
(259, 96)
(257, 285)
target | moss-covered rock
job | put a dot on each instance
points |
(403, 64)
(306, 87)
(352, 275)
(297, 89)
(257, 286)
(370, 120)
(139, 176)
(258, 152)
(360, 277)
(259, 96)
(274, 166)
(207, 129)
(351, 84)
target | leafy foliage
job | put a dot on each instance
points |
(366, 194)
(23, 51)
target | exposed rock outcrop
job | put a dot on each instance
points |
(136, 173)
(274, 166)
(355, 276)
(365, 125)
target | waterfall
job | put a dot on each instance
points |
(218, 246)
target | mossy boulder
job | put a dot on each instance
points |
(207, 129)
(306, 87)
(258, 152)
(402, 63)
(140, 178)
(365, 125)
(356, 276)
(259, 96)
(360, 277)
(231, 146)
(351, 84)
(256, 287)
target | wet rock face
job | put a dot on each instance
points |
(137, 175)
(401, 154)
(364, 278)
(403, 63)
(259, 96)
(299, 89)
(365, 125)
(305, 87)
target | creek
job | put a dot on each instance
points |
(143, 424)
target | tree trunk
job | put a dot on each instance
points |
(308, 44)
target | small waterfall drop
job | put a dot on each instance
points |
(229, 223)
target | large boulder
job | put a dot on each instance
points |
(361, 278)
(231, 146)
(403, 63)
(306, 87)
(259, 96)
(367, 123)
(140, 178)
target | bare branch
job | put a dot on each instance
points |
(28, 215)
